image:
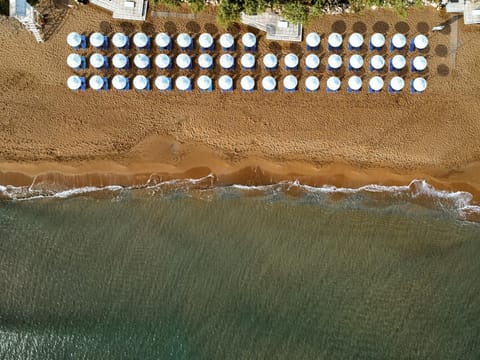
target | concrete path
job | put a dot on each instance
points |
(453, 41)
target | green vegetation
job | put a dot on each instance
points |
(229, 12)
(317, 8)
(399, 6)
(254, 7)
(197, 5)
(171, 3)
(295, 11)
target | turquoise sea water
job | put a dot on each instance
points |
(234, 273)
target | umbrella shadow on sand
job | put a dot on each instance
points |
(443, 70)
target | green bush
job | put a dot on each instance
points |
(229, 12)
(254, 7)
(299, 11)
(357, 5)
(295, 12)
(196, 5)
(317, 8)
(171, 3)
(399, 6)
(278, 3)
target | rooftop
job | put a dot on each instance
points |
(19, 8)
(471, 14)
(469, 8)
(125, 9)
(276, 27)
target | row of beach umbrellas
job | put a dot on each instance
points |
(248, 61)
(377, 41)
(162, 40)
(247, 83)
(249, 41)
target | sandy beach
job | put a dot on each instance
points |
(58, 137)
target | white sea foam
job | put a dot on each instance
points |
(417, 190)
(85, 190)
(28, 193)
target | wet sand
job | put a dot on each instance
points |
(55, 136)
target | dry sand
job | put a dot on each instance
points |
(90, 138)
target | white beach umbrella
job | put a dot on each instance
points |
(290, 82)
(183, 83)
(376, 83)
(205, 40)
(97, 60)
(270, 60)
(119, 40)
(140, 39)
(249, 39)
(312, 61)
(399, 62)
(225, 82)
(334, 61)
(399, 40)
(355, 83)
(335, 40)
(140, 82)
(96, 82)
(141, 61)
(291, 60)
(204, 82)
(356, 61)
(205, 61)
(96, 39)
(183, 61)
(119, 82)
(377, 40)
(74, 82)
(420, 41)
(163, 40)
(226, 40)
(74, 61)
(119, 61)
(248, 61)
(420, 63)
(162, 61)
(397, 83)
(313, 39)
(312, 83)
(269, 83)
(333, 83)
(162, 82)
(184, 40)
(377, 62)
(74, 39)
(227, 61)
(420, 84)
(355, 40)
(247, 83)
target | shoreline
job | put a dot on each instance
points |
(61, 176)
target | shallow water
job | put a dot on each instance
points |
(234, 273)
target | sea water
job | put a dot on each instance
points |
(278, 272)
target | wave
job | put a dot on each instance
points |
(418, 192)
(42, 191)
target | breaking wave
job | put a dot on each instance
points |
(418, 193)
